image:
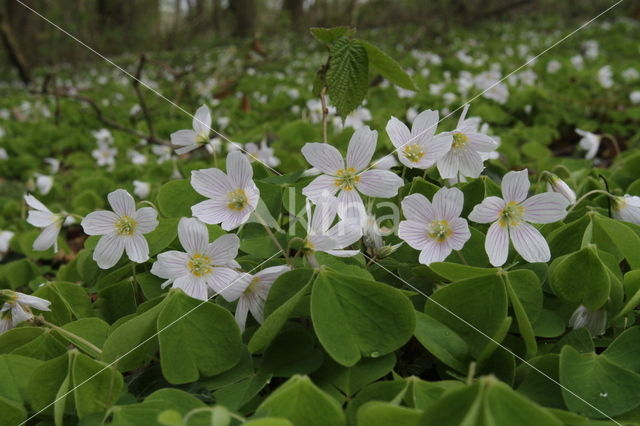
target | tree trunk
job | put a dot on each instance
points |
(246, 14)
(10, 43)
(296, 11)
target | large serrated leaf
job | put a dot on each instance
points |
(329, 35)
(348, 74)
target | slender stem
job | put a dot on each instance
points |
(614, 142)
(273, 237)
(93, 348)
(149, 203)
(460, 255)
(471, 373)
(581, 199)
(526, 330)
(325, 113)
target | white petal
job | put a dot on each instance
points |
(324, 215)
(515, 186)
(171, 265)
(33, 301)
(448, 203)
(222, 279)
(108, 250)
(137, 248)
(184, 138)
(436, 149)
(256, 307)
(147, 219)
(547, 207)
(99, 223)
(460, 233)
(242, 310)
(19, 314)
(351, 206)
(211, 211)
(417, 207)
(202, 120)
(361, 148)
(122, 202)
(342, 253)
(529, 243)
(497, 244)
(224, 249)
(211, 183)
(47, 238)
(379, 183)
(192, 286)
(471, 164)
(414, 233)
(239, 170)
(323, 157)
(344, 234)
(398, 132)
(448, 165)
(482, 143)
(238, 286)
(424, 126)
(487, 211)
(193, 235)
(321, 186)
(269, 275)
(34, 203)
(235, 219)
(40, 218)
(434, 251)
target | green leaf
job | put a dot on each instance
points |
(197, 339)
(329, 35)
(442, 342)
(388, 67)
(96, 385)
(624, 239)
(354, 317)
(15, 371)
(348, 75)
(457, 271)
(624, 350)
(163, 235)
(607, 387)
(377, 413)
(294, 351)
(12, 413)
(176, 197)
(351, 379)
(301, 402)
(580, 277)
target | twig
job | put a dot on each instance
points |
(143, 104)
(325, 113)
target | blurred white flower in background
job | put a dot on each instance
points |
(589, 142)
(141, 189)
(605, 77)
(553, 66)
(5, 239)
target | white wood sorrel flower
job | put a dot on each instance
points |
(464, 159)
(188, 139)
(16, 307)
(121, 230)
(627, 208)
(251, 293)
(434, 228)
(349, 178)
(49, 222)
(510, 215)
(419, 148)
(232, 196)
(202, 265)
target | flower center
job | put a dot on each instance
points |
(459, 140)
(347, 178)
(202, 139)
(439, 230)
(7, 296)
(253, 286)
(511, 215)
(200, 265)
(126, 225)
(413, 152)
(618, 203)
(237, 200)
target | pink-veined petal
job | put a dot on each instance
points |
(137, 248)
(211, 211)
(99, 222)
(460, 233)
(449, 165)
(515, 186)
(448, 203)
(351, 206)
(238, 286)
(321, 186)
(239, 170)
(434, 251)
(122, 202)
(414, 233)
(529, 243)
(547, 207)
(470, 163)
(193, 235)
(324, 215)
(242, 310)
(221, 279)
(361, 148)
(192, 286)
(481, 142)
(417, 207)
(435, 149)
(147, 219)
(379, 183)
(211, 183)
(424, 126)
(398, 132)
(223, 249)
(497, 244)
(488, 210)
(171, 265)
(108, 250)
(236, 218)
(47, 238)
(202, 120)
(323, 157)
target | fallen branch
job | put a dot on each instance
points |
(141, 101)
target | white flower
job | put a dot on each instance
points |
(630, 74)
(420, 147)
(321, 236)
(16, 308)
(357, 118)
(464, 159)
(634, 97)
(232, 196)
(163, 153)
(605, 77)
(202, 265)
(594, 321)
(141, 189)
(214, 146)
(136, 157)
(54, 164)
(5, 239)
(2, 133)
(589, 142)
(189, 140)
(591, 48)
(627, 208)
(44, 183)
(121, 230)
(578, 62)
(251, 293)
(262, 153)
(103, 136)
(553, 66)
(105, 155)
(510, 215)
(42, 217)
(434, 228)
(352, 177)
(555, 184)
(3, 154)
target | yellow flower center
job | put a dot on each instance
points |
(459, 140)
(202, 139)
(347, 178)
(126, 225)
(200, 265)
(253, 286)
(413, 152)
(439, 230)
(511, 215)
(237, 200)
(618, 203)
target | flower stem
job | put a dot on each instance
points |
(273, 237)
(149, 203)
(526, 330)
(87, 346)
(581, 199)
